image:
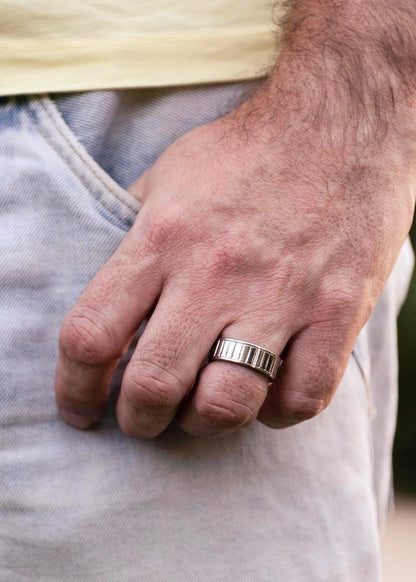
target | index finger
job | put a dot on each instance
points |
(98, 330)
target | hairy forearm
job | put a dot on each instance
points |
(338, 106)
(347, 64)
(375, 37)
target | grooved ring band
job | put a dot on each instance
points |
(246, 354)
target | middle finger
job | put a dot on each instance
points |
(166, 361)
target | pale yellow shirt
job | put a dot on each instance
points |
(65, 45)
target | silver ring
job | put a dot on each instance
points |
(246, 354)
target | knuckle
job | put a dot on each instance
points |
(221, 414)
(299, 405)
(232, 403)
(83, 339)
(152, 390)
(227, 258)
(339, 301)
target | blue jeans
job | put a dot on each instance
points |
(303, 504)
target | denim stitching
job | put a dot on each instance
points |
(84, 160)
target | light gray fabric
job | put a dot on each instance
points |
(299, 505)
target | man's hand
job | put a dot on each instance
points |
(278, 225)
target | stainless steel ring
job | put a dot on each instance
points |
(246, 354)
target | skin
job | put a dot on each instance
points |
(277, 224)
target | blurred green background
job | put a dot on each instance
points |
(404, 457)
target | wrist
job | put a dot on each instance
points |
(347, 106)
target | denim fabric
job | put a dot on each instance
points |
(299, 505)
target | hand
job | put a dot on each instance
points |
(253, 229)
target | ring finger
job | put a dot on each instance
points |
(229, 396)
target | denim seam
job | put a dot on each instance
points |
(83, 159)
(371, 407)
(372, 411)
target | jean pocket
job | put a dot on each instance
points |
(116, 202)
